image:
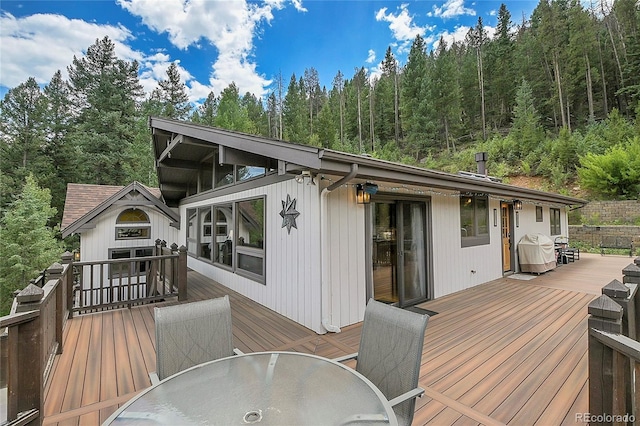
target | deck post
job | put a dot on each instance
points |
(55, 273)
(625, 295)
(631, 276)
(605, 315)
(182, 273)
(25, 378)
(67, 281)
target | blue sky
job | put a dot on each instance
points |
(219, 42)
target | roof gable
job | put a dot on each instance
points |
(84, 202)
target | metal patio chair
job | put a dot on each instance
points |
(390, 353)
(190, 334)
(566, 254)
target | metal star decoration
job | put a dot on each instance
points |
(289, 214)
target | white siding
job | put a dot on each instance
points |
(292, 280)
(95, 243)
(347, 260)
(293, 261)
(455, 267)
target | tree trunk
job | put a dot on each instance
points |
(371, 126)
(396, 108)
(589, 89)
(556, 67)
(359, 121)
(481, 84)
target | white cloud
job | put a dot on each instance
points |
(230, 26)
(402, 27)
(457, 35)
(41, 44)
(371, 57)
(451, 9)
(400, 24)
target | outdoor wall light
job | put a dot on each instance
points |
(364, 191)
(76, 256)
(517, 204)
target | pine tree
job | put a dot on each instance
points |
(28, 243)
(105, 91)
(172, 95)
(526, 130)
(446, 93)
(415, 99)
(208, 111)
(232, 115)
(500, 73)
(23, 137)
(57, 122)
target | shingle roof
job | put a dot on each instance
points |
(82, 198)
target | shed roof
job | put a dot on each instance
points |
(86, 201)
(181, 146)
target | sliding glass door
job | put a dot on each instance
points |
(399, 251)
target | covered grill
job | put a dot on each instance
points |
(536, 253)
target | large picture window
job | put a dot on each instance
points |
(230, 235)
(554, 215)
(474, 220)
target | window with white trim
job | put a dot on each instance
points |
(474, 219)
(133, 224)
(554, 216)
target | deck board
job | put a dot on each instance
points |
(509, 351)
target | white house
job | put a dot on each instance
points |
(313, 233)
(117, 222)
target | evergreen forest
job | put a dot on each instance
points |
(555, 98)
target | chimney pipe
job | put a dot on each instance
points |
(481, 160)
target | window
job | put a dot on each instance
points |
(554, 215)
(230, 235)
(224, 234)
(192, 234)
(206, 233)
(474, 220)
(539, 214)
(250, 236)
(132, 224)
(124, 269)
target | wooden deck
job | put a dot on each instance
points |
(511, 351)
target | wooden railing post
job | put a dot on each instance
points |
(54, 272)
(605, 315)
(67, 259)
(631, 276)
(182, 273)
(25, 381)
(625, 295)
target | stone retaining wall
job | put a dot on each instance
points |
(594, 235)
(623, 212)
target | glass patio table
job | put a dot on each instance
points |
(265, 388)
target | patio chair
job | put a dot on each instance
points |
(566, 254)
(390, 353)
(190, 334)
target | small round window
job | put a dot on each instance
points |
(133, 216)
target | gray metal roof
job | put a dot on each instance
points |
(180, 147)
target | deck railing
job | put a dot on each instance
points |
(31, 335)
(109, 284)
(614, 352)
